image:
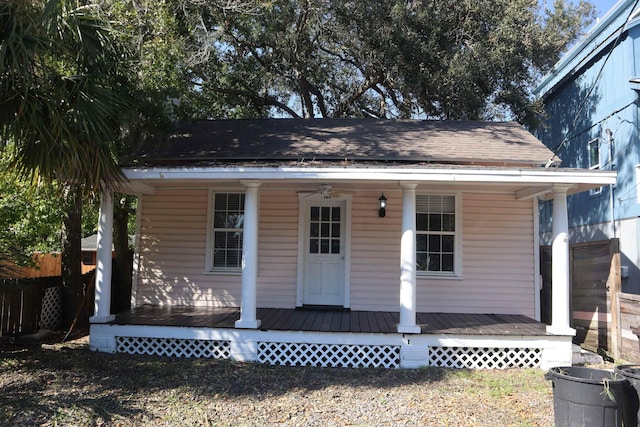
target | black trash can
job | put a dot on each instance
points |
(587, 397)
(632, 393)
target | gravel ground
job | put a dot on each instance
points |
(56, 384)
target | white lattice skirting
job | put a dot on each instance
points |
(51, 311)
(174, 347)
(329, 355)
(484, 357)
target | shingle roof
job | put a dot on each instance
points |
(353, 140)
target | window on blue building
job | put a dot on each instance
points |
(594, 153)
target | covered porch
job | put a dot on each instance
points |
(404, 337)
(334, 338)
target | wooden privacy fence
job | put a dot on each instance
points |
(46, 265)
(50, 264)
(21, 303)
(594, 287)
(605, 319)
(629, 326)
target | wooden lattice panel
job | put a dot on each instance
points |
(51, 309)
(485, 357)
(329, 355)
(174, 347)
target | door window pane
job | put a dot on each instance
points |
(315, 213)
(335, 229)
(325, 214)
(325, 230)
(314, 230)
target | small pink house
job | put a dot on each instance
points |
(344, 242)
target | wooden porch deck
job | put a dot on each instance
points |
(277, 319)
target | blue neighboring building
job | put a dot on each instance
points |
(592, 102)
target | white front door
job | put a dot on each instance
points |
(324, 249)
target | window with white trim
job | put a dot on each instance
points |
(436, 238)
(226, 232)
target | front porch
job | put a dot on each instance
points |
(334, 338)
(320, 320)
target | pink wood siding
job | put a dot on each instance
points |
(172, 253)
(498, 260)
(375, 252)
(278, 248)
(498, 254)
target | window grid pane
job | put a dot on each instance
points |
(228, 224)
(435, 233)
(324, 230)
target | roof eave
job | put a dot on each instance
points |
(540, 179)
(235, 161)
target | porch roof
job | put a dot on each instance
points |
(522, 182)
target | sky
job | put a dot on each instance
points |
(603, 6)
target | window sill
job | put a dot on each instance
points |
(223, 272)
(420, 276)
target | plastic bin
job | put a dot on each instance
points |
(632, 393)
(587, 397)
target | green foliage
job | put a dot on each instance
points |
(64, 91)
(30, 218)
(83, 83)
(446, 59)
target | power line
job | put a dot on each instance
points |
(577, 134)
(591, 89)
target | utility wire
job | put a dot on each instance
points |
(577, 134)
(593, 86)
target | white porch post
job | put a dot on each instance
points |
(102, 308)
(249, 258)
(408, 261)
(560, 295)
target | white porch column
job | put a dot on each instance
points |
(560, 294)
(249, 258)
(408, 261)
(102, 308)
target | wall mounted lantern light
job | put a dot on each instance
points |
(383, 206)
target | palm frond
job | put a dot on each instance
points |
(64, 93)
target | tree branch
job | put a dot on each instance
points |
(258, 100)
(313, 89)
(368, 83)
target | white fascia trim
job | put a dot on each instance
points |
(136, 188)
(450, 175)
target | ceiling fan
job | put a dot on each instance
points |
(325, 190)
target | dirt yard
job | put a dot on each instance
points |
(66, 384)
